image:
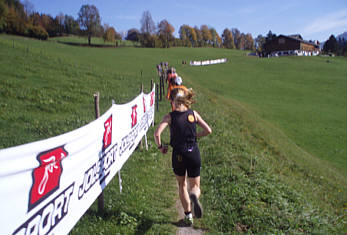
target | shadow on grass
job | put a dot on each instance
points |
(143, 224)
(96, 45)
(87, 45)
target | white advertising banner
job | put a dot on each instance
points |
(46, 186)
(208, 62)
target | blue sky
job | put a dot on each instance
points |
(313, 19)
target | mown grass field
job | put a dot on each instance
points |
(275, 162)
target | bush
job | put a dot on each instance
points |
(37, 32)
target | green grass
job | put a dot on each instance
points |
(259, 172)
(305, 97)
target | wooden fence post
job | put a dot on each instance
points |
(101, 204)
(163, 86)
(157, 97)
(141, 90)
(160, 94)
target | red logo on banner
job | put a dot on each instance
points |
(144, 104)
(152, 98)
(134, 116)
(107, 140)
(46, 177)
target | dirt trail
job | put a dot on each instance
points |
(182, 230)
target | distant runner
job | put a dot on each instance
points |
(171, 80)
(185, 154)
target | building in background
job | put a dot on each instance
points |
(291, 45)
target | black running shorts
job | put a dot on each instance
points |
(186, 160)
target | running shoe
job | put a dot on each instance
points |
(188, 219)
(196, 205)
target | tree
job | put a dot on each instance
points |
(270, 36)
(89, 20)
(147, 23)
(148, 40)
(198, 34)
(109, 34)
(50, 24)
(184, 35)
(28, 8)
(188, 36)
(216, 40)
(3, 15)
(60, 21)
(165, 31)
(259, 43)
(249, 42)
(206, 35)
(331, 46)
(228, 39)
(237, 38)
(71, 26)
(133, 35)
(193, 37)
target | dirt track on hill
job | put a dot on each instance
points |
(183, 230)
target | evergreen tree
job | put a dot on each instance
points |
(331, 46)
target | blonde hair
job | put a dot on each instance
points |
(183, 96)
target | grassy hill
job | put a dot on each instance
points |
(275, 162)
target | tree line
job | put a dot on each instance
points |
(161, 35)
(336, 46)
(21, 19)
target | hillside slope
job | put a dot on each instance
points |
(255, 178)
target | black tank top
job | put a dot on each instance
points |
(182, 129)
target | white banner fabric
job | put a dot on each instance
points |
(46, 186)
(208, 62)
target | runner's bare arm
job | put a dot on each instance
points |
(162, 125)
(206, 129)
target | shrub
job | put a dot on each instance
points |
(37, 32)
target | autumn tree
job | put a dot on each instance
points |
(109, 34)
(189, 34)
(237, 38)
(3, 14)
(216, 40)
(206, 37)
(165, 33)
(193, 37)
(89, 20)
(228, 39)
(249, 42)
(184, 34)
(14, 19)
(199, 40)
(149, 40)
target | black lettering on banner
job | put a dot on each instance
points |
(98, 171)
(49, 216)
(128, 141)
